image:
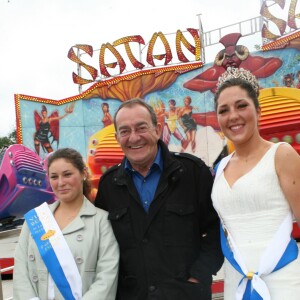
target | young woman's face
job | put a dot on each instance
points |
(187, 101)
(66, 180)
(237, 115)
(44, 113)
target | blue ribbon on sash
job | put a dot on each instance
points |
(290, 254)
(48, 255)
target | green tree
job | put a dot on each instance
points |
(8, 140)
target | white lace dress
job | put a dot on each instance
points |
(253, 208)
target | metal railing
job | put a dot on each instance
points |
(245, 28)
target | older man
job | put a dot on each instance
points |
(161, 212)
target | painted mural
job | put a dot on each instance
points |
(172, 76)
(181, 93)
(175, 81)
(182, 97)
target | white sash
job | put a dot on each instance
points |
(55, 252)
(268, 261)
(270, 257)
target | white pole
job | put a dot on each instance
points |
(79, 71)
(201, 33)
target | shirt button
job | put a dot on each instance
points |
(152, 288)
(31, 257)
(35, 278)
(79, 237)
(79, 260)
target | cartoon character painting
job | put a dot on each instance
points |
(48, 127)
(288, 80)
(107, 118)
(236, 56)
(187, 122)
(171, 128)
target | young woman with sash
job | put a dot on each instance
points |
(256, 193)
(66, 250)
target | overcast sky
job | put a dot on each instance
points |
(36, 35)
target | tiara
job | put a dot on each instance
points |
(241, 73)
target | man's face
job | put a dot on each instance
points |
(137, 136)
(288, 82)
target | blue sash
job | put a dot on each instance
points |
(290, 254)
(42, 238)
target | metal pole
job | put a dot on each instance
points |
(261, 21)
(79, 71)
(201, 33)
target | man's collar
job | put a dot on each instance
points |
(157, 161)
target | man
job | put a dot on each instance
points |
(161, 212)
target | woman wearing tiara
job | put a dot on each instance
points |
(256, 194)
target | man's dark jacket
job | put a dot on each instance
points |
(177, 239)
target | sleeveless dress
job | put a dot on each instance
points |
(42, 134)
(253, 208)
(188, 121)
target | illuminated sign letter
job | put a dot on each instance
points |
(103, 66)
(196, 50)
(292, 15)
(168, 55)
(72, 56)
(126, 40)
(280, 24)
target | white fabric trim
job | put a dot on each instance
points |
(270, 256)
(51, 293)
(61, 249)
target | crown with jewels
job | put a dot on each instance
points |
(241, 73)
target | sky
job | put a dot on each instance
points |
(36, 35)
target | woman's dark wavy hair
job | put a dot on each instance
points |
(243, 84)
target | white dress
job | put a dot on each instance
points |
(253, 208)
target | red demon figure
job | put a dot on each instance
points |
(236, 56)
